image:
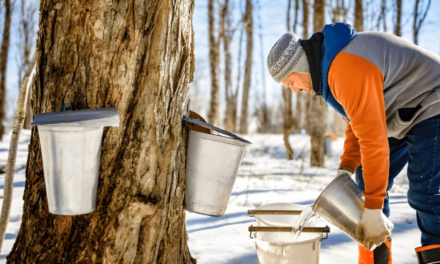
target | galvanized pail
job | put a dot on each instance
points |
(71, 169)
(71, 149)
(211, 168)
(342, 204)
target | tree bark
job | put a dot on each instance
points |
(3, 63)
(136, 56)
(398, 27)
(248, 68)
(317, 116)
(214, 106)
(359, 16)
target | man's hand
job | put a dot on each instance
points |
(344, 171)
(373, 228)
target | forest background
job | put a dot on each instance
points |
(232, 88)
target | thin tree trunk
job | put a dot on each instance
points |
(397, 28)
(138, 57)
(317, 116)
(229, 94)
(305, 24)
(295, 20)
(12, 155)
(382, 16)
(26, 32)
(287, 99)
(419, 18)
(287, 120)
(301, 99)
(214, 60)
(248, 68)
(3, 62)
(359, 16)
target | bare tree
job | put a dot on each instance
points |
(382, 16)
(359, 16)
(288, 120)
(398, 18)
(301, 99)
(339, 10)
(230, 94)
(4, 48)
(317, 116)
(419, 18)
(214, 61)
(139, 58)
(27, 32)
(247, 18)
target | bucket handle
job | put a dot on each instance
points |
(203, 124)
(252, 228)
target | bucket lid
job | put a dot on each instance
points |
(203, 124)
(84, 117)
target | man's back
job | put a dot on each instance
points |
(411, 76)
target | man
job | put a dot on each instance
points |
(388, 91)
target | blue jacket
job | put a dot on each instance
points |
(336, 36)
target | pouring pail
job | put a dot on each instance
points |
(342, 204)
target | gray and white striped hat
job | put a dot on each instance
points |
(285, 57)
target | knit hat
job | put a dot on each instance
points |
(287, 56)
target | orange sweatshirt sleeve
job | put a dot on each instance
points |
(351, 157)
(357, 85)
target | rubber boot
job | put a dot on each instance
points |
(380, 255)
(428, 254)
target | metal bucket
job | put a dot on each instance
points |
(71, 149)
(71, 169)
(342, 204)
(211, 168)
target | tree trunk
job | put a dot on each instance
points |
(419, 18)
(398, 27)
(358, 16)
(248, 68)
(3, 63)
(214, 106)
(382, 16)
(317, 116)
(287, 120)
(301, 98)
(229, 94)
(295, 20)
(138, 57)
(26, 31)
(305, 24)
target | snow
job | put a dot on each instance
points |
(264, 177)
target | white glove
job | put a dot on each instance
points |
(373, 228)
(342, 171)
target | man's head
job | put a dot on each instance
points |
(287, 63)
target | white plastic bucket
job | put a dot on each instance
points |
(280, 247)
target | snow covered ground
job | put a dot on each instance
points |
(264, 177)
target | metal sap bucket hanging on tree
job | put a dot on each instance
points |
(211, 168)
(71, 149)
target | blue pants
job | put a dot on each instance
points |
(420, 148)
